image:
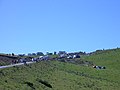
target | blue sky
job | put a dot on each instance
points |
(54, 25)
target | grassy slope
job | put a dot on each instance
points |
(65, 76)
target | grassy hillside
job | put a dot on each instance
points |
(56, 75)
(109, 58)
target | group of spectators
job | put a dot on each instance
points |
(22, 60)
(99, 67)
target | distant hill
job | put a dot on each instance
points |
(105, 51)
(59, 75)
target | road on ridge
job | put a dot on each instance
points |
(18, 64)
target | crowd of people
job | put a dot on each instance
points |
(47, 57)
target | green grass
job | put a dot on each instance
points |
(65, 76)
